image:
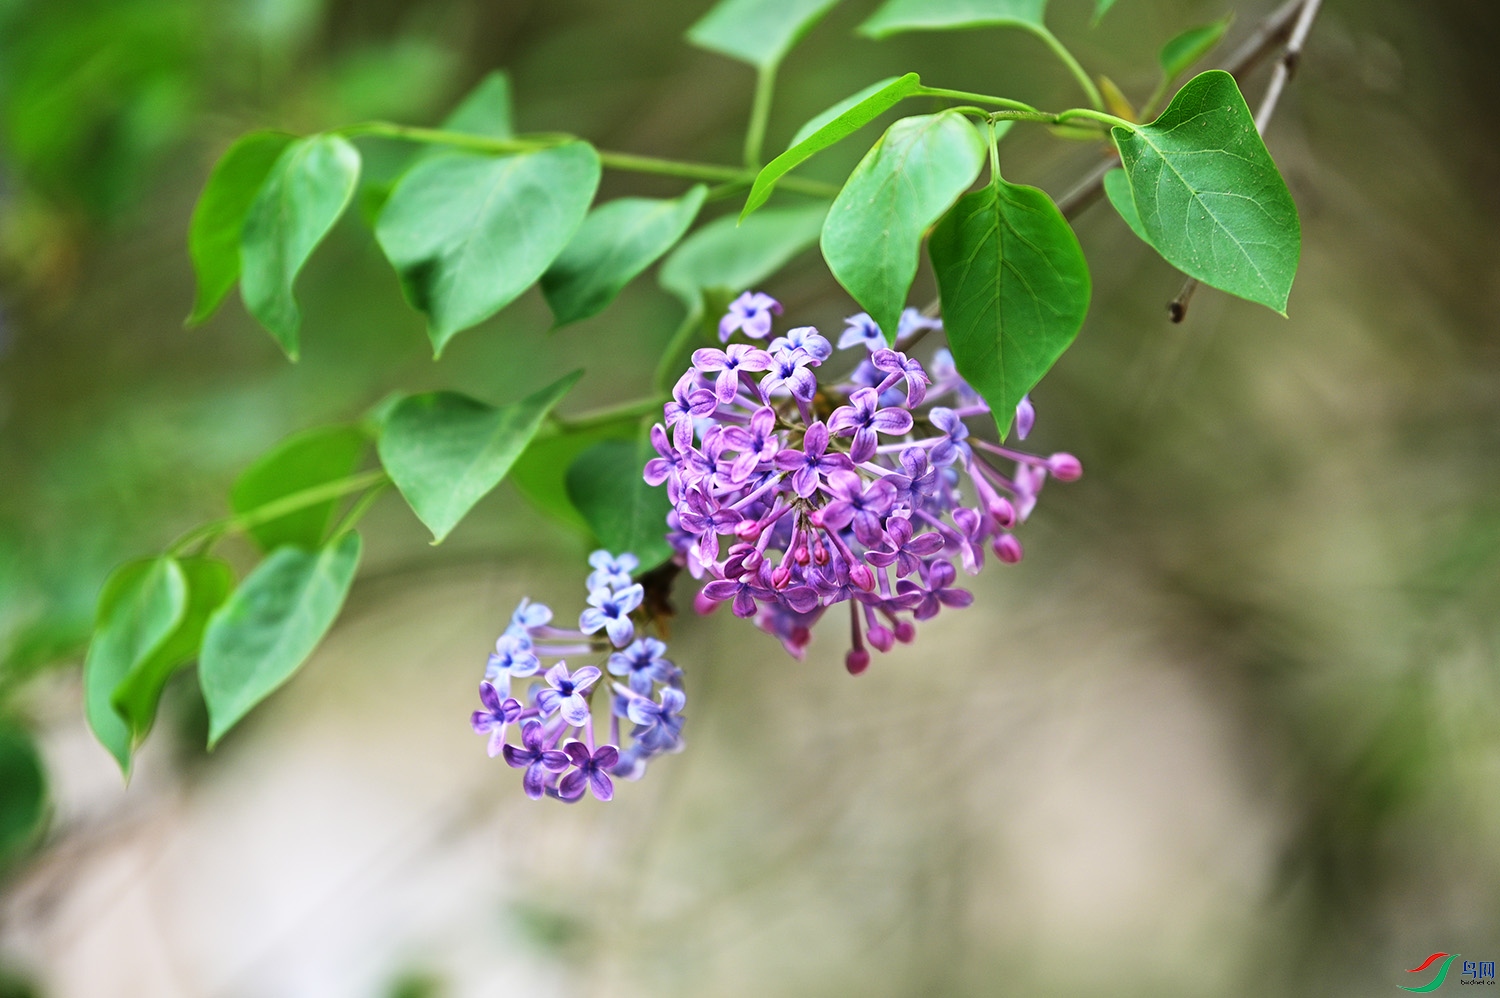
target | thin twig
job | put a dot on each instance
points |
(1285, 67)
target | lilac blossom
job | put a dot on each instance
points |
(564, 692)
(495, 717)
(590, 772)
(750, 314)
(804, 338)
(559, 710)
(611, 572)
(609, 610)
(798, 492)
(536, 758)
(863, 419)
(659, 725)
(644, 663)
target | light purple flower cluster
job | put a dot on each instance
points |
(558, 749)
(792, 495)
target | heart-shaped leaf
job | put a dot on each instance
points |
(142, 604)
(446, 451)
(606, 485)
(219, 216)
(896, 16)
(468, 233)
(1015, 289)
(1209, 196)
(1117, 189)
(872, 238)
(759, 32)
(616, 242)
(209, 583)
(259, 638)
(304, 194)
(309, 459)
(838, 122)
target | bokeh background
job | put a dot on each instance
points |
(1232, 727)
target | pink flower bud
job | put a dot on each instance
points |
(781, 576)
(747, 530)
(881, 637)
(905, 631)
(861, 576)
(1003, 512)
(857, 661)
(1065, 467)
(1007, 548)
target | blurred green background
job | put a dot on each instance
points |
(1230, 729)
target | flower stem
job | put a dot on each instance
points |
(613, 414)
(1079, 73)
(630, 162)
(760, 113)
(278, 508)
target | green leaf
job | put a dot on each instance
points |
(541, 473)
(730, 257)
(838, 122)
(142, 604)
(616, 242)
(1101, 7)
(759, 32)
(1117, 188)
(1015, 290)
(209, 583)
(307, 190)
(272, 623)
(308, 459)
(873, 236)
(624, 512)
(1209, 196)
(219, 216)
(23, 792)
(1178, 55)
(446, 451)
(896, 16)
(468, 233)
(486, 110)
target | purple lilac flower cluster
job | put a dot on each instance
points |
(558, 747)
(792, 494)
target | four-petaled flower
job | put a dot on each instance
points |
(729, 362)
(954, 433)
(564, 693)
(644, 663)
(813, 461)
(939, 590)
(864, 506)
(660, 726)
(789, 370)
(528, 616)
(804, 338)
(611, 572)
(860, 330)
(756, 443)
(863, 418)
(591, 772)
(750, 313)
(535, 758)
(496, 715)
(514, 655)
(609, 610)
(903, 547)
